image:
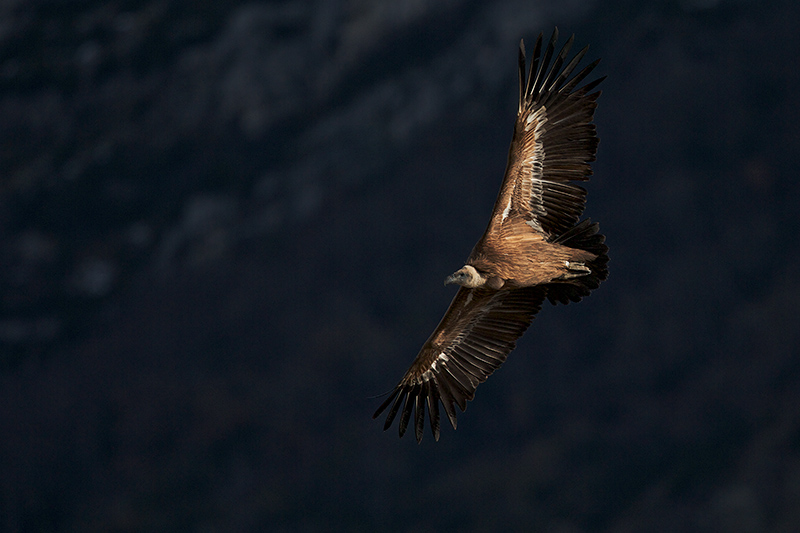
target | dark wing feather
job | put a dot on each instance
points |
(473, 339)
(554, 142)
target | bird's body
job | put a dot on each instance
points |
(534, 247)
(535, 260)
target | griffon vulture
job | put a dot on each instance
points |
(533, 248)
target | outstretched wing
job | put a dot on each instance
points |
(554, 142)
(473, 339)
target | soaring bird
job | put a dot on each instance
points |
(534, 248)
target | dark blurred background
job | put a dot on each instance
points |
(224, 228)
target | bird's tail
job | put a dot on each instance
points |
(583, 236)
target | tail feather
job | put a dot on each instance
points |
(583, 236)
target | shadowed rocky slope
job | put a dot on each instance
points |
(224, 229)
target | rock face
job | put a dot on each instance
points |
(223, 228)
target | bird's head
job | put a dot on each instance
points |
(466, 276)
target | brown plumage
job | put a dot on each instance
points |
(533, 248)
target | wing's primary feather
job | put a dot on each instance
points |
(473, 339)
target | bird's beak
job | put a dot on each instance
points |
(450, 279)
